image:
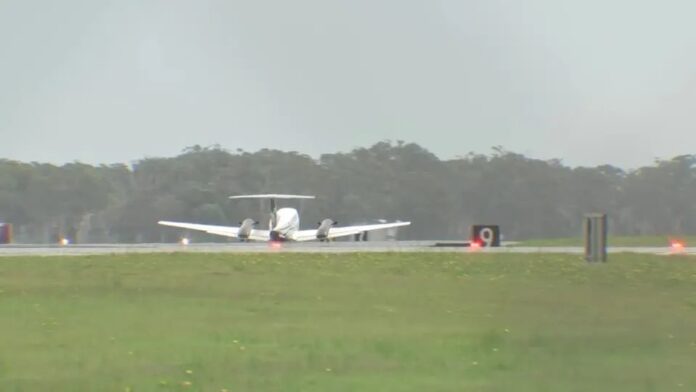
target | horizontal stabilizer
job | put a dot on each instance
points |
(272, 196)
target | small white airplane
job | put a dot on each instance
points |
(284, 225)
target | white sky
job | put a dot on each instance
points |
(590, 82)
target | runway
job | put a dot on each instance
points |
(308, 247)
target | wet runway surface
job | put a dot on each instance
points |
(310, 247)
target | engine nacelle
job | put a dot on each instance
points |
(324, 227)
(245, 228)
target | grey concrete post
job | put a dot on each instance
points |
(595, 228)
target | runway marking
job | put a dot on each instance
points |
(335, 247)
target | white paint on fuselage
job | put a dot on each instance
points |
(287, 222)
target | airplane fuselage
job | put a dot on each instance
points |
(287, 223)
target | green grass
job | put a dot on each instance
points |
(614, 241)
(348, 322)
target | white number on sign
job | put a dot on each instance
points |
(486, 236)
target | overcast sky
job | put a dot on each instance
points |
(590, 82)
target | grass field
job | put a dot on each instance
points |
(347, 322)
(615, 241)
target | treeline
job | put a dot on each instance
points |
(529, 198)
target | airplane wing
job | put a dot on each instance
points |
(226, 231)
(335, 232)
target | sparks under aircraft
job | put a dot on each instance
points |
(284, 225)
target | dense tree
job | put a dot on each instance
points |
(527, 197)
